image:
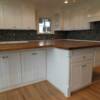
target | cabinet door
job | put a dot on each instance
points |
(1, 15)
(4, 73)
(9, 70)
(76, 76)
(28, 17)
(86, 72)
(33, 66)
(14, 66)
(8, 12)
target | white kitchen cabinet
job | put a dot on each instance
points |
(76, 76)
(1, 15)
(81, 75)
(86, 71)
(82, 62)
(16, 15)
(4, 73)
(33, 65)
(58, 70)
(70, 70)
(14, 68)
(28, 17)
(10, 74)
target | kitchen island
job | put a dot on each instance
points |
(66, 64)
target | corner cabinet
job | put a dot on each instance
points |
(70, 70)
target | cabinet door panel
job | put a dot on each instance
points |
(33, 66)
(14, 68)
(4, 71)
(10, 70)
(28, 17)
(86, 73)
(76, 77)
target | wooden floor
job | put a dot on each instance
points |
(45, 91)
(96, 74)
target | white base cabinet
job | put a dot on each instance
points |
(22, 68)
(33, 65)
(68, 70)
(58, 72)
(81, 75)
(82, 62)
(10, 70)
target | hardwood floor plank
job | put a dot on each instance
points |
(46, 91)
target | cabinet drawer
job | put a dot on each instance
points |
(82, 55)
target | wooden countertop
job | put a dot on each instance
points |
(63, 44)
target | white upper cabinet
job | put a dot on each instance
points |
(1, 15)
(16, 15)
(9, 14)
(28, 17)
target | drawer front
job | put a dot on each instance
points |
(82, 55)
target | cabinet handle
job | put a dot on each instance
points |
(34, 53)
(5, 57)
(84, 66)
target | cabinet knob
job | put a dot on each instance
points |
(5, 57)
(34, 53)
(84, 66)
(84, 57)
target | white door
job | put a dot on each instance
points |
(33, 65)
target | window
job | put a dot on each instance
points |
(44, 25)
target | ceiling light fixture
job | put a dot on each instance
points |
(66, 2)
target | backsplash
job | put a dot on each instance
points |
(81, 34)
(18, 35)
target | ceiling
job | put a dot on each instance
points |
(52, 6)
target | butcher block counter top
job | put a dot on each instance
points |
(63, 44)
